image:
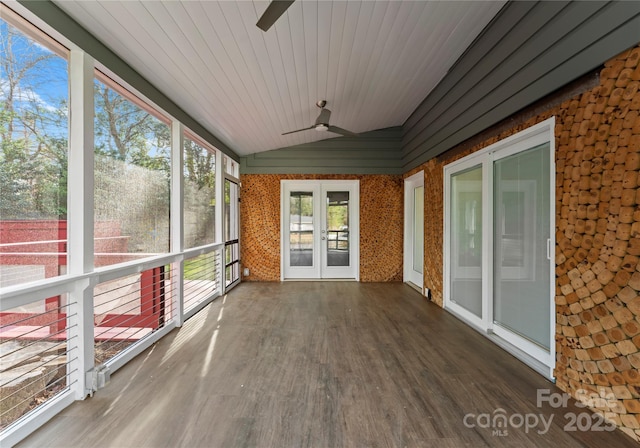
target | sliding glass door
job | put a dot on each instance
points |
(466, 242)
(499, 220)
(521, 233)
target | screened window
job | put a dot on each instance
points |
(52, 339)
(33, 155)
(231, 167)
(199, 194)
(132, 177)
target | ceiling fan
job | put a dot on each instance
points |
(273, 12)
(322, 123)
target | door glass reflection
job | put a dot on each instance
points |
(418, 229)
(466, 239)
(301, 228)
(337, 237)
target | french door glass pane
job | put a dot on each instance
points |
(418, 229)
(337, 228)
(301, 228)
(521, 229)
(466, 239)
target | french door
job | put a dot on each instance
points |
(320, 229)
(499, 221)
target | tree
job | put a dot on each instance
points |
(199, 165)
(33, 127)
(126, 132)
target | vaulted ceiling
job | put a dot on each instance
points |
(373, 62)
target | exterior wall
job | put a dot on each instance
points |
(373, 152)
(597, 236)
(381, 225)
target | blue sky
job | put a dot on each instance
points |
(44, 85)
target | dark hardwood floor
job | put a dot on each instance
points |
(319, 364)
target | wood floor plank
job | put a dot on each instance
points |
(316, 364)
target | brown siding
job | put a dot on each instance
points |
(381, 221)
(597, 236)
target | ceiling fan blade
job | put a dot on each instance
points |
(324, 116)
(299, 130)
(337, 130)
(273, 12)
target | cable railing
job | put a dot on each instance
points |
(128, 309)
(62, 337)
(36, 358)
(201, 278)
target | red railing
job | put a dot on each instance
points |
(43, 244)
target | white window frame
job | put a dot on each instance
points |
(82, 276)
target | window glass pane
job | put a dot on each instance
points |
(230, 210)
(231, 167)
(337, 228)
(199, 194)
(466, 239)
(301, 228)
(132, 179)
(521, 229)
(33, 158)
(418, 229)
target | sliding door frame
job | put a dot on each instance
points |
(530, 353)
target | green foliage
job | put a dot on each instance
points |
(337, 216)
(199, 165)
(301, 203)
(33, 149)
(193, 269)
(124, 131)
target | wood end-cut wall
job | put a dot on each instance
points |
(381, 225)
(597, 236)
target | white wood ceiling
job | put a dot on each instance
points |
(373, 61)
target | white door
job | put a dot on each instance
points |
(320, 229)
(414, 229)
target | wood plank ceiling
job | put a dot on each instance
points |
(373, 61)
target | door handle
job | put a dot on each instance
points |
(323, 238)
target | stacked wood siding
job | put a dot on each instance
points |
(597, 236)
(381, 225)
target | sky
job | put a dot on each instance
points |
(44, 85)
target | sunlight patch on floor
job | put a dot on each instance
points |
(191, 328)
(210, 349)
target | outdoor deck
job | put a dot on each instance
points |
(319, 364)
